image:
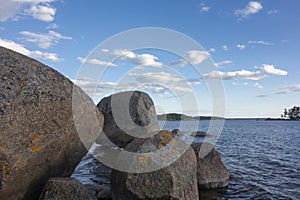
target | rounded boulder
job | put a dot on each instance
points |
(38, 137)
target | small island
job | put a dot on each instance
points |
(183, 117)
(293, 114)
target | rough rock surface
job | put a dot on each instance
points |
(65, 189)
(128, 112)
(104, 195)
(211, 171)
(176, 181)
(38, 138)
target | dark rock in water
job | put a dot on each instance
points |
(177, 132)
(211, 171)
(200, 134)
(65, 189)
(38, 138)
(127, 113)
(175, 181)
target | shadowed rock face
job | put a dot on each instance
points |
(128, 112)
(211, 171)
(65, 189)
(176, 181)
(38, 138)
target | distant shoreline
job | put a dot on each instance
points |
(183, 117)
(281, 119)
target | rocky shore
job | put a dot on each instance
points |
(41, 147)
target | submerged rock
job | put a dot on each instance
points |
(175, 181)
(211, 171)
(201, 134)
(38, 138)
(128, 113)
(65, 189)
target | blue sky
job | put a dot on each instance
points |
(254, 46)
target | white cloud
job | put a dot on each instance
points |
(235, 75)
(263, 72)
(93, 87)
(96, 62)
(270, 69)
(156, 77)
(253, 7)
(204, 9)
(14, 46)
(212, 50)
(42, 12)
(247, 84)
(155, 82)
(271, 12)
(35, 54)
(260, 42)
(225, 47)
(241, 46)
(194, 57)
(140, 59)
(38, 9)
(105, 50)
(45, 56)
(52, 26)
(171, 81)
(257, 85)
(289, 89)
(44, 40)
(224, 62)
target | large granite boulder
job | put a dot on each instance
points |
(211, 171)
(128, 115)
(175, 181)
(65, 189)
(38, 137)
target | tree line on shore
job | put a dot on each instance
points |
(292, 113)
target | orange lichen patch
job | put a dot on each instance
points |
(175, 153)
(177, 161)
(35, 148)
(129, 177)
(35, 138)
(160, 145)
(143, 159)
(165, 134)
(18, 156)
(167, 137)
(3, 146)
(21, 161)
(48, 142)
(5, 168)
(173, 143)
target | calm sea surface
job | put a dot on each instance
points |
(263, 159)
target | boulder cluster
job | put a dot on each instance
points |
(40, 146)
